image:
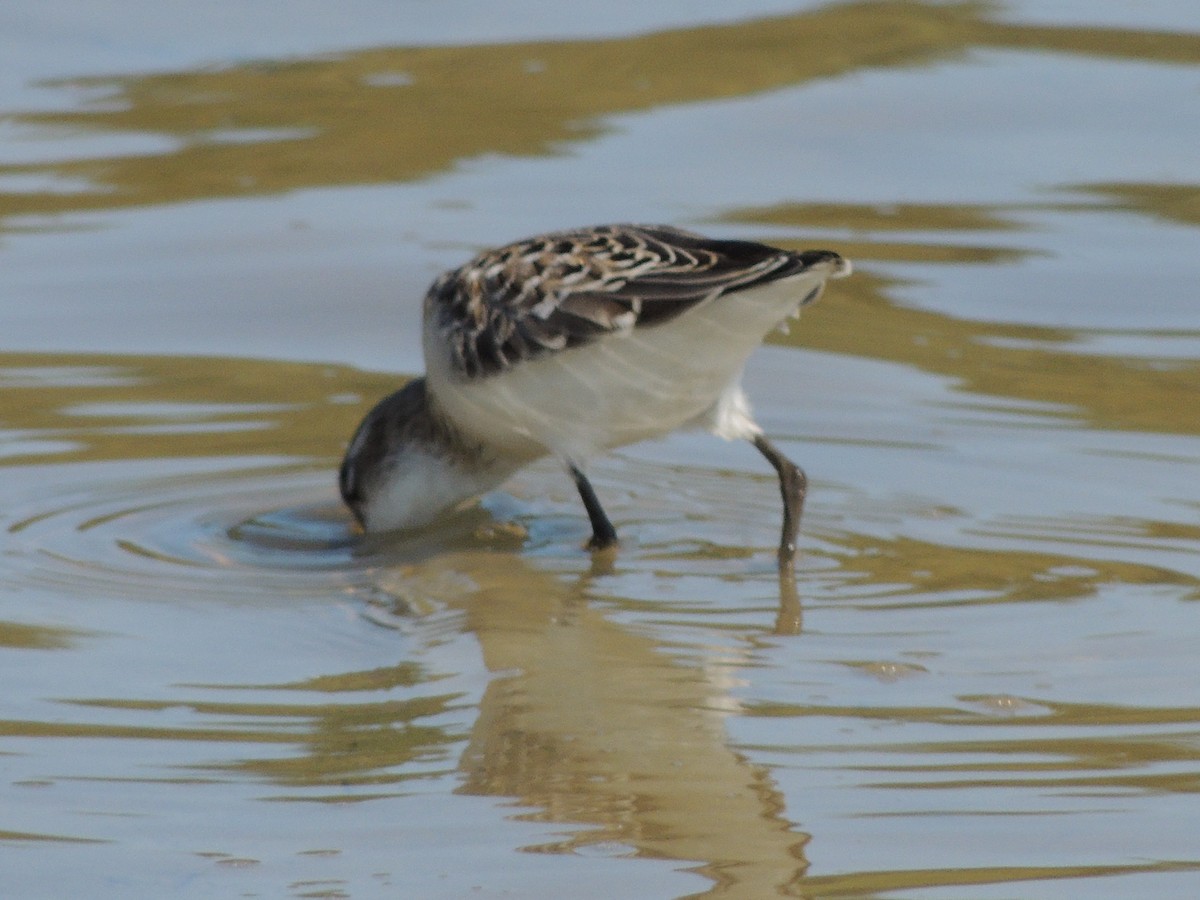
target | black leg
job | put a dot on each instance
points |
(603, 533)
(792, 485)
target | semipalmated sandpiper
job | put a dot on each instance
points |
(572, 344)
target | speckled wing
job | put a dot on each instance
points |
(558, 291)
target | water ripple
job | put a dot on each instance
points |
(261, 528)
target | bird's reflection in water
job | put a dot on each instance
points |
(790, 618)
(595, 726)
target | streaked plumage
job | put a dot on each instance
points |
(572, 344)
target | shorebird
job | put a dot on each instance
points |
(573, 343)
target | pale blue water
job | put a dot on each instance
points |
(212, 689)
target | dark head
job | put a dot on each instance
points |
(405, 465)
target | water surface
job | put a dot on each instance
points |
(982, 682)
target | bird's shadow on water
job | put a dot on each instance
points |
(595, 728)
(591, 724)
(789, 617)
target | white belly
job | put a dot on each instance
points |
(623, 388)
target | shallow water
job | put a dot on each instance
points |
(982, 682)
